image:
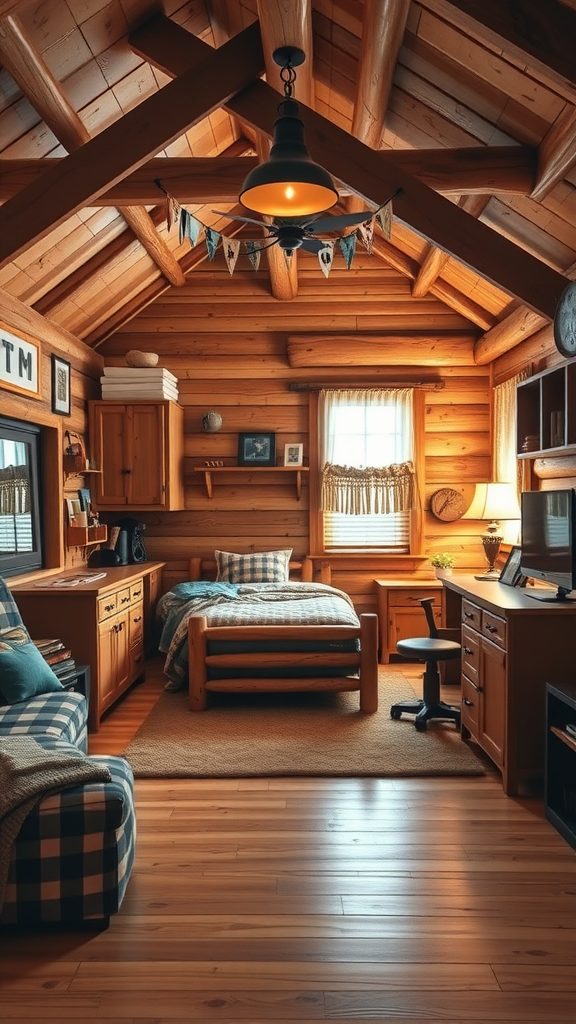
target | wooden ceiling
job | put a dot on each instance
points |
(468, 107)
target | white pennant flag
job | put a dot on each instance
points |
(366, 232)
(384, 218)
(231, 250)
(254, 251)
(325, 257)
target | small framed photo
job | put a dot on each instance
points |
(84, 498)
(257, 449)
(293, 454)
(73, 508)
(511, 574)
(60, 386)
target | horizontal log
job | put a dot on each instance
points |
(386, 350)
(278, 660)
(467, 470)
(272, 685)
(455, 445)
(477, 169)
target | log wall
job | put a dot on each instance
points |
(226, 339)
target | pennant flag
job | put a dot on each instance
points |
(172, 211)
(183, 225)
(190, 227)
(253, 250)
(366, 232)
(231, 250)
(384, 218)
(212, 239)
(325, 257)
(348, 247)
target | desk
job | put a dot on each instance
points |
(400, 614)
(512, 645)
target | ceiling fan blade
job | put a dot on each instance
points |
(346, 220)
(245, 220)
(312, 245)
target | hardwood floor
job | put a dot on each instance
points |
(258, 900)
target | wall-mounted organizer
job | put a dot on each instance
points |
(84, 536)
(546, 413)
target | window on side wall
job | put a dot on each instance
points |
(366, 470)
(20, 510)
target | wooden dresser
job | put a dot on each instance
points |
(102, 622)
(512, 645)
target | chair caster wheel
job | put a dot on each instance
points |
(420, 726)
(394, 713)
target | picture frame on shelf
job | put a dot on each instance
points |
(511, 574)
(60, 386)
(85, 498)
(293, 455)
(257, 448)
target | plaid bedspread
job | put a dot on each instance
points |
(263, 604)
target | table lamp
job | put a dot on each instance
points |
(493, 502)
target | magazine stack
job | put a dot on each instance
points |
(59, 658)
(132, 383)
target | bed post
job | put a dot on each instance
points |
(197, 662)
(369, 663)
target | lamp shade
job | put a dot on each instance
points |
(494, 502)
(289, 184)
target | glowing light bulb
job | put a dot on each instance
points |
(289, 192)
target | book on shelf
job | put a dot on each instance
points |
(64, 669)
(49, 646)
(57, 657)
(571, 729)
(137, 373)
(140, 396)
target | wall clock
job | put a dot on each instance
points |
(447, 504)
(565, 321)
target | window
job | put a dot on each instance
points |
(507, 468)
(366, 443)
(20, 521)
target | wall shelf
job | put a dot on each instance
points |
(84, 536)
(208, 471)
(75, 465)
(546, 420)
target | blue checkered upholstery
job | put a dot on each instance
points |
(9, 614)
(61, 715)
(74, 854)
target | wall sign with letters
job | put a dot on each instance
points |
(19, 363)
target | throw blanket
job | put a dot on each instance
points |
(28, 773)
(269, 604)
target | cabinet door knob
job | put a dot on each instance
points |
(127, 471)
(467, 650)
(491, 629)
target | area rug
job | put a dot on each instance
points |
(247, 735)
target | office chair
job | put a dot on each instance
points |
(430, 649)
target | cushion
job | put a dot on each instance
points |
(9, 614)
(259, 567)
(23, 671)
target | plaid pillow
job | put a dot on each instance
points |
(260, 567)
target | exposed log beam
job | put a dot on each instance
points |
(435, 259)
(476, 245)
(423, 349)
(383, 26)
(32, 75)
(483, 169)
(544, 30)
(516, 327)
(129, 142)
(557, 154)
(17, 315)
(460, 303)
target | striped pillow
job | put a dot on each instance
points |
(260, 567)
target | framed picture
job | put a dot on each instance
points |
(293, 454)
(73, 508)
(60, 386)
(85, 499)
(257, 449)
(511, 574)
(20, 373)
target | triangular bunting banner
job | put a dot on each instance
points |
(254, 251)
(172, 211)
(231, 250)
(193, 228)
(348, 248)
(366, 232)
(212, 239)
(384, 218)
(325, 257)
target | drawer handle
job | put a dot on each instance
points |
(124, 600)
(468, 703)
(108, 607)
(137, 593)
(139, 619)
(469, 615)
(467, 650)
(118, 627)
(491, 629)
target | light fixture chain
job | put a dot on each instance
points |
(288, 76)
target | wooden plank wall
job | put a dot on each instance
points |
(225, 338)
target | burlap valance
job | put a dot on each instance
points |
(370, 491)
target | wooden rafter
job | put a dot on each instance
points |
(557, 154)
(435, 259)
(83, 175)
(432, 216)
(383, 25)
(471, 171)
(32, 75)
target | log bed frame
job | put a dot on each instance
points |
(362, 666)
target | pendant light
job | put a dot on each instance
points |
(289, 183)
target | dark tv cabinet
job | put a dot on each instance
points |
(560, 774)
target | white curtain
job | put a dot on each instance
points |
(366, 451)
(507, 467)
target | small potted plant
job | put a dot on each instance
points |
(443, 564)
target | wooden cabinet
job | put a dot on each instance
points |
(546, 413)
(400, 614)
(102, 622)
(512, 644)
(140, 449)
(560, 790)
